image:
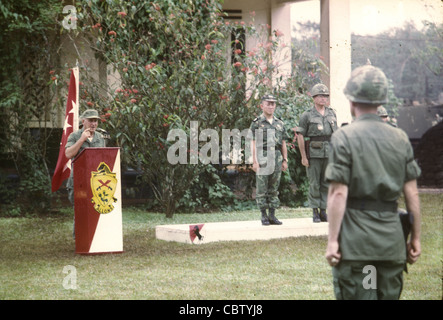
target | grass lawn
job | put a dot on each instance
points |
(34, 252)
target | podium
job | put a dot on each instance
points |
(97, 201)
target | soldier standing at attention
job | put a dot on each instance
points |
(383, 114)
(370, 165)
(270, 158)
(317, 124)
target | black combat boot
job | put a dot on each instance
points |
(264, 217)
(316, 216)
(272, 218)
(323, 215)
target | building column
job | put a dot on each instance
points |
(335, 39)
(281, 21)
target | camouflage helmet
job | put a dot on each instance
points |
(367, 84)
(319, 88)
(381, 111)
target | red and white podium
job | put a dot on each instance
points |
(97, 201)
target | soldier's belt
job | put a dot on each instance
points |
(320, 138)
(374, 205)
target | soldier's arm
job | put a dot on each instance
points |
(336, 206)
(284, 152)
(412, 201)
(71, 151)
(301, 146)
(254, 156)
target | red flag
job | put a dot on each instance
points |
(63, 168)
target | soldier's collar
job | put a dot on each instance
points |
(263, 118)
(369, 116)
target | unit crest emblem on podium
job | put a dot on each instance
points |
(103, 184)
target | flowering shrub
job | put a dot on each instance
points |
(178, 63)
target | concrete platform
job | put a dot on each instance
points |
(201, 233)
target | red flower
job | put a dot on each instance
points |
(237, 64)
(112, 33)
(133, 100)
(278, 33)
(150, 66)
(122, 14)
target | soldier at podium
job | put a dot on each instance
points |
(86, 137)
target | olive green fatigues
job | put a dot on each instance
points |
(97, 142)
(318, 129)
(267, 184)
(374, 160)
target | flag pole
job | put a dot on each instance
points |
(77, 78)
(63, 167)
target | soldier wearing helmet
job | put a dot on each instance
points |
(383, 114)
(313, 135)
(370, 165)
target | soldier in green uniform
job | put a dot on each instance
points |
(383, 114)
(86, 137)
(317, 125)
(370, 165)
(269, 155)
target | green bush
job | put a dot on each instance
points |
(180, 62)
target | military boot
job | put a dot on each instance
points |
(316, 216)
(323, 215)
(264, 217)
(272, 218)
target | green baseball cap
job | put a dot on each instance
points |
(269, 97)
(90, 114)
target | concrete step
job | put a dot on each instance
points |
(200, 233)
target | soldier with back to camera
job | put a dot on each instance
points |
(370, 165)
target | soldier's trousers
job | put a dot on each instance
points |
(266, 194)
(318, 187)
(368, 280)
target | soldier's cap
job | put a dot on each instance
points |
(269, 97)
(381, 111)
(90, 114)
(319, 89)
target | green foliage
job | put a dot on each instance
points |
(176, 62)
(36, 249)
(180, 62)
(26, 30)
(411, 57)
